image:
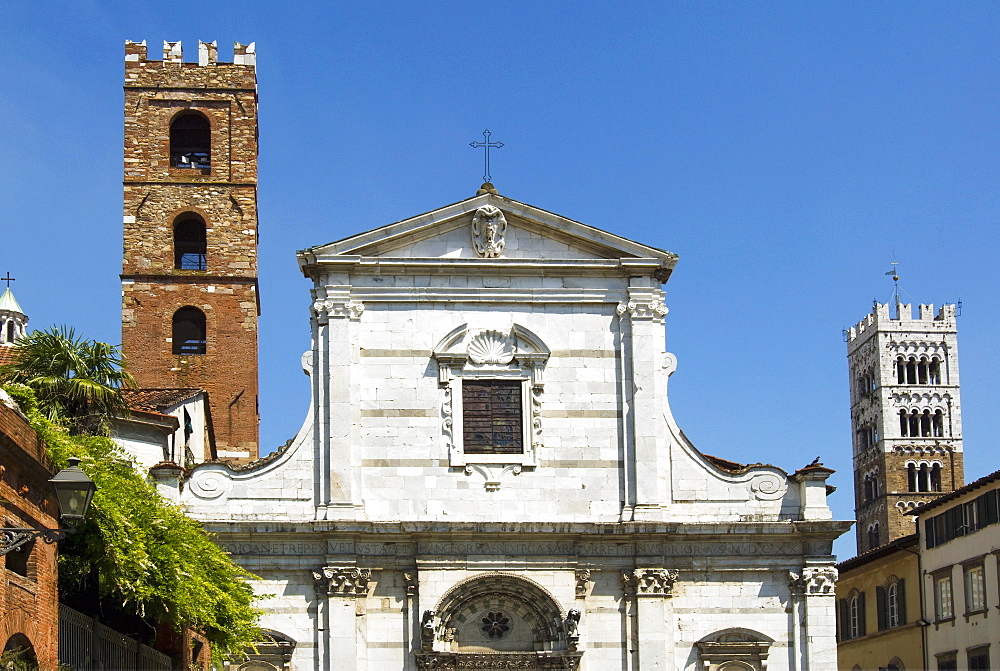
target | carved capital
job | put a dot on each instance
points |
(813, 581)
(337, 309)
(343, 580)
(653, 310)
(582, 582)
(650, 581)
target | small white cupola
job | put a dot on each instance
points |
(13, 321)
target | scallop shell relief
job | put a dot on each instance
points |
(491, 347)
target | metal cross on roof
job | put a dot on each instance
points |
(8, 279)
(895, 270)
(486, 144)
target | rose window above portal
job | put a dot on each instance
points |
(496, 624)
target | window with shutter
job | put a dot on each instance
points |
(900, 602)
(844, 613)
(492, 417)
(882, 608)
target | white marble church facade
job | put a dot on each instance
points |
(490, 475)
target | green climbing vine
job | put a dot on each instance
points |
(142, 552)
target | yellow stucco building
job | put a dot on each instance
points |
(878, 609)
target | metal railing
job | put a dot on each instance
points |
(85, 644)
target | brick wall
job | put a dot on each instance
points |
(225, 197)
(28, 603)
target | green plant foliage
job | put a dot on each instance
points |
(76, 381)
(146, 554)
(18, 660)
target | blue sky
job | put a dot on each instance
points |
(786, 151)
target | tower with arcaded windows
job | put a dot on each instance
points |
(905, 415)
(189, 274)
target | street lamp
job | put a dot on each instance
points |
(73, 490)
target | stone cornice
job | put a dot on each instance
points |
(720, 530)
(313, 264)
(485, 295)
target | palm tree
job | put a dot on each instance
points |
(77, 381)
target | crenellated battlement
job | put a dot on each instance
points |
(881, 318)
(208, 54)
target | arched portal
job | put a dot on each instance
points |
(503, 616)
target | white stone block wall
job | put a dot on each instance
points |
(379, 629)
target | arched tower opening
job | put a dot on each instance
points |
(190, 243)
(191, 141)
(190, 333)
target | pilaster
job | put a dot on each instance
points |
(336, 319)
(651, 590)
(645, 395)
(342, 591)
(815, 623)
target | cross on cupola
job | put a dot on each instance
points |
(8, 279)
(485, 146)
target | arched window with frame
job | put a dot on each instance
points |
(190, 242)
(190, 334)
(190, 141)
(873, 536)
(891, 603)
(856, 614)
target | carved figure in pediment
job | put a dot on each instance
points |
(488, 230)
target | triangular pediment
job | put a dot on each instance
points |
(527, 233)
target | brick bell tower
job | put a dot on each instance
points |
(189, 273)
(905, 415)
